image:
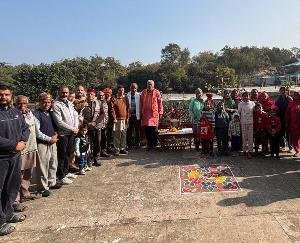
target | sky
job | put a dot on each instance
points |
(43, 31)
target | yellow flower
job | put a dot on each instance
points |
(220, 179)
(193, 175)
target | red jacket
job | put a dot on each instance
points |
(259, 121)
(273, 123)
(205, 131)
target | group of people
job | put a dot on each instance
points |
(252, 120)
(65, 137)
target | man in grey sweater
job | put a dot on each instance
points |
(66, 120)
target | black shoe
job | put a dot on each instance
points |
(123, 151)
(105, 155)
(56, 186)
(97, 163)
(46, 193)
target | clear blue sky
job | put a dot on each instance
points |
(35, 31)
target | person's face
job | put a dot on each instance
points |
(221, 106)
(45, 104)
(22, 104)
(121, 91)
(80, 91)
(71, 97)
(101, 96)
(199, 95)
(226, 95)
(64, 93)
(258, 109)
(150, 85)
(264, 96)
(254, 93)
(5, 97)
(245, 97)
(91, 95)
(83, 131)
(133, 88)
(235, 93)
(236, 119)
(207, 106)
(107, 96)
(202, 122)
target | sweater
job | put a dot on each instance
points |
(120, 108)
(13, 130)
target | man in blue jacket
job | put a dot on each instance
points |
(14, 134)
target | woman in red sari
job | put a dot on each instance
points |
(292, 117)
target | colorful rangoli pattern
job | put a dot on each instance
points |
(214, 178)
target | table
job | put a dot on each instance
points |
(176, 140)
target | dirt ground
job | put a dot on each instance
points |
(136, 198)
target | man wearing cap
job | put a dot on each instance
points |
(110, 122)
(195, 110)
(66, 120)
(151, 111)
(90, 115)
(14, 134)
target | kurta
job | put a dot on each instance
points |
(29, 154)
(151, 107)
(293, 123)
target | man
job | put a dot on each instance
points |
(80, 98)
(195, 111)
(110, 122)
(29, 156)
(102, 123)
(72, 97)
(90, 114)
(282, 103)
(151, 111)
(134, 123)
(66, 119)
(14, 134)
(120, 114)
(47, 138)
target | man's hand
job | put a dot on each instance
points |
(54, 139)
(20, 146)
(75, 130)
(92, 124)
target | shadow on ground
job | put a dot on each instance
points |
(265, 180)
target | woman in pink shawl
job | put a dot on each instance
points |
(265, 101)
(292, 117)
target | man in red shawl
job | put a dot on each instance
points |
(151, 110)
(292, 121)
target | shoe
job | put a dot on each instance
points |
(105, 155)
(66, 181)
(56, 186)
(117, 153)
(72, 176)
(73, 168)
(18, 207)
(81, 172)
(123, 151)
(27, 198)
(249, 156)
(88, 168)
(97, 163)
(46, 193)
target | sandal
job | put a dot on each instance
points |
(17, 217)
(6, 229)
(18, 207)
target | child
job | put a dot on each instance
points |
(245, 109)
(221, 123)
(273, 128)
(234, 134)
(259, 129)
(206, 135)
(82, 149)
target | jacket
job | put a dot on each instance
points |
(137, 97)
(13, 129)
(65, 116)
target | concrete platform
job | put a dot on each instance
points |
(136, 198)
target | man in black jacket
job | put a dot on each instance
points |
(14, 134)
